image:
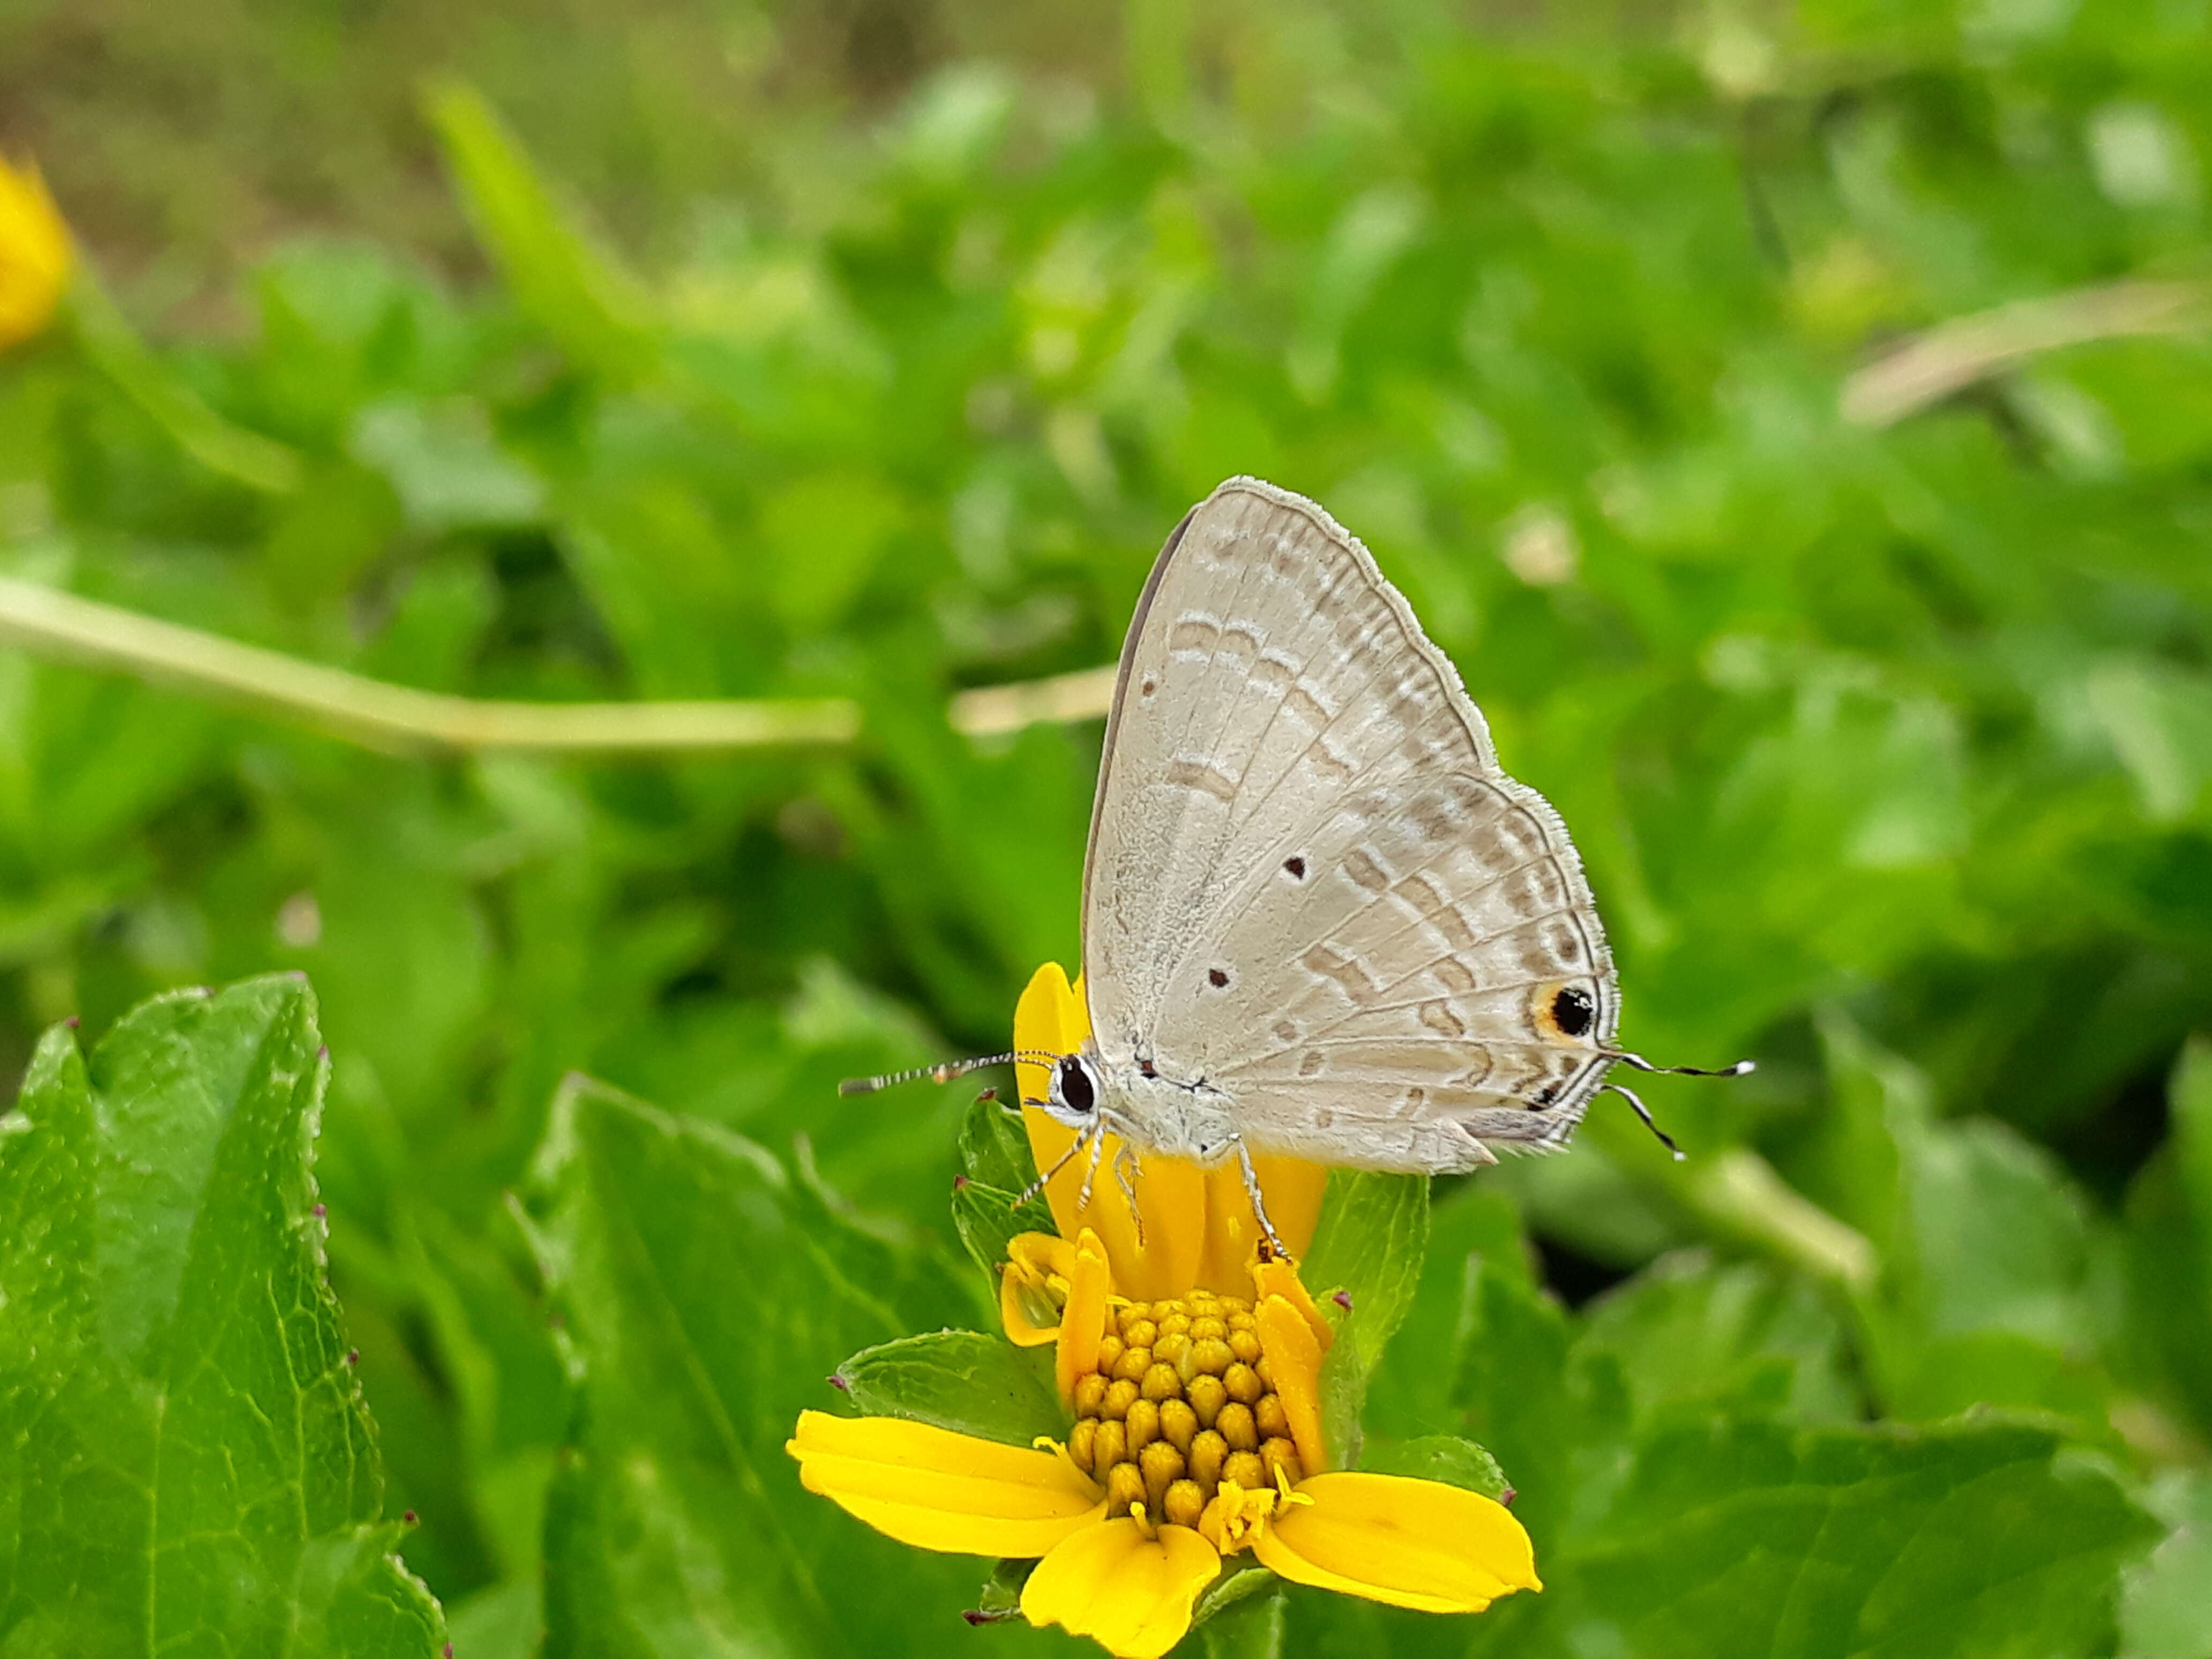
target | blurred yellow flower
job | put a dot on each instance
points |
(1196, 1423)
(35, 255)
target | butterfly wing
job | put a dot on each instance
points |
(1309, 882)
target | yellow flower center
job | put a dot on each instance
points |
(1181, 1404)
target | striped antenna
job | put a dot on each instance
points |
(1742, 1068)
(944, 1071)
(1644, 1112)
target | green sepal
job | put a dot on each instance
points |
(958, 1380)
(1241, 1614)
(992, 1148)
(1000, 1598)
(1441, 1457)
(988, 1218)
(1372, 1239)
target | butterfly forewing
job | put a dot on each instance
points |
(1309, 885)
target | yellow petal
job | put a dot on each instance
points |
(1294, 1362)
(1198, 1227)
(1030, 1257)
(35, 254)
(1281, 1278)
(1130, 1593)
(1053, 1017)
(1083, 1322)
(1047, 1253)
(1013, 1293)
(937, 1490)
(1291, 1189)
(1414, 1544)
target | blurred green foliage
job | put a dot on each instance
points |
(1888, 751)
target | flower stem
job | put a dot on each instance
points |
(1738, 1193)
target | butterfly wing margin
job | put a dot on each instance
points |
(1282, 1119)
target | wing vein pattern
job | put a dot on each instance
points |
(1309, 885)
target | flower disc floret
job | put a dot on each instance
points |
(1181, 1400)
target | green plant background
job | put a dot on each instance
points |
(872, 351)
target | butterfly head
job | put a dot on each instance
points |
(1075, 1094)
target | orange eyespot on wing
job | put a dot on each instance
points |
(1563, 1011)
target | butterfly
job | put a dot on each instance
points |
(1318, 918)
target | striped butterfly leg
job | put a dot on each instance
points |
(1258, 1204)
(1088, 1136)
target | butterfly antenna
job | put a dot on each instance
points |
(1644, 1112)
(944, 1071)
(1742, 1068)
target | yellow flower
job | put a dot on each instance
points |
(1195, 1425)
(34, 255)
(1198, 1227)
(1196, 1435)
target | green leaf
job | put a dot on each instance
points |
(820, 535)
(2168, 1331)
(958, 1380)
(256, 461)
(993, 1150)
(1240, 1617)
(190, 1465)
(1742, 1539)
(445, 465)
(709, 1296)
(1945, 1375)
(1476, 1228)
(2189, 1098)
(1520, 1398)
(1689, 1333)
(574, 291)
(987, 1218)
(1370, 1243)
(1997, 1238)
(2169, 1245)
(1444, 1457)
(2166, 1610)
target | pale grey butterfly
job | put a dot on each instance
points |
(1318, 918)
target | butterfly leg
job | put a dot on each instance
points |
(1126, 1169)
(1259, 1204)
(1062, 1162)
(1091, 1175)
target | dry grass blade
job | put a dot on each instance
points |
(1932, 365)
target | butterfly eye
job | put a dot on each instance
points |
(1075, 1085)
